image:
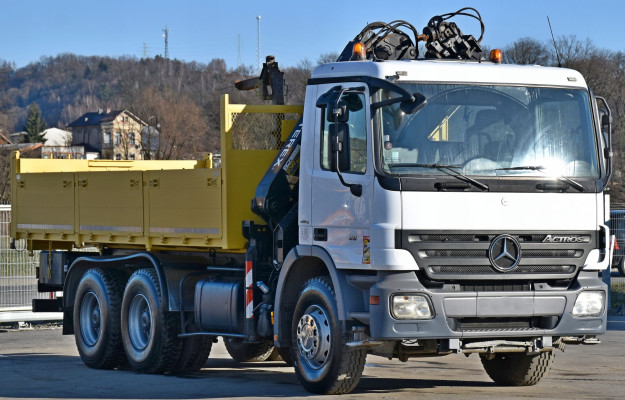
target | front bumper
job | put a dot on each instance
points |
(470, 314)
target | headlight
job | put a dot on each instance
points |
(589, 304)
(410, 307)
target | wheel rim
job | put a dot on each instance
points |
(139, 322)
(314, 337)
(90, 319)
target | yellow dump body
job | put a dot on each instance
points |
(60, 204)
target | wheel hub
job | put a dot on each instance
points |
(314, 337)
(139, 322)
(90, 319)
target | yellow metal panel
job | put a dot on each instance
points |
(44, 203)
(184, 204)
(110, 203)
(287, 127)
(243, 169)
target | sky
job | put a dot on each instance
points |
(292, 31)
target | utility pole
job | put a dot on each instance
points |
(166, 36)
(238, 50)
(260, 64)
(145, 50)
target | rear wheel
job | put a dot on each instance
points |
(149, 331)
(323, 361)
(248, 352)
(97, 319)
(518, 369)
(193, 354)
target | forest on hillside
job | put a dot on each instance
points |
(183, 98)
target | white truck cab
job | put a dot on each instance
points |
(471, 222)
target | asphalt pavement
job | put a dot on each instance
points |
(44, 364)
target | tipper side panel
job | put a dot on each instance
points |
(184, 210)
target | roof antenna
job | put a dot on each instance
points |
(554, 43)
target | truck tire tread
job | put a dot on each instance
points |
(164, 352)
(111, 354)
(518, 369)
(248, 352)
(193, 354)
(344, 375)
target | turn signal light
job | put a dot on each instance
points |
(496, 56)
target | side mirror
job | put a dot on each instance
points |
(605, 123)
(339, 137)
(338, 102)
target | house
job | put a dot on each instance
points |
(112, 134)
(57, 137)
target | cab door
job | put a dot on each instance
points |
(340, 216)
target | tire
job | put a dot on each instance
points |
(323, 362)
(193, 354)
(621, 266)
(149, 331)
(97, 319)
(248, 352)
(282, 354)
(518, 369)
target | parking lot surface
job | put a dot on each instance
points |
(43, 364)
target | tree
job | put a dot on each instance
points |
(326, 58)
(35, 125)
(527, 51)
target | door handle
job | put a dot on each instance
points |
(320, 234)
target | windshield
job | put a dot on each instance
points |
(491, 130)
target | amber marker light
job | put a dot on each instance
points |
(496, 56)
(374, 300)
(359, 52)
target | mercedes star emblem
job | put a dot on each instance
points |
(504, 253)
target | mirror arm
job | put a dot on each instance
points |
(354, 188)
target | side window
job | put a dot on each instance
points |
(354, 132)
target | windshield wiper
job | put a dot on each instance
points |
(542, 169)
(448, 167)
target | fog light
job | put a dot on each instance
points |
(589, 304)
(410, 307)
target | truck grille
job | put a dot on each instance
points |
(464, 256)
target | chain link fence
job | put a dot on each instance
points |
(617, 270)
(18, 283)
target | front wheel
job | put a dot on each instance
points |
(323, 362)
(518, 369)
